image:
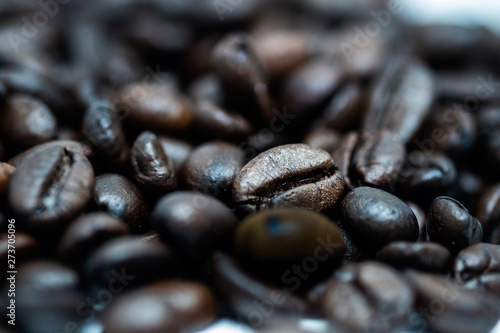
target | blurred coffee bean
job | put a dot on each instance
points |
(488, 209)
(344, 154)
(128, 261)
(26, 121)
(323, 138)
(460, 310)
(193, 224)
(378, 217)
(345, 107)
(207, 87)
(176, 150)
(150, 164)
(488, 120)
(212, 167)
(460, 86)
(367, 297)
(50, 186)
(277, 239)
(294, 175)
(450, 224)
(400, 99)
(476, 260)
(85, 234)
(424, 256)
(179, 306)
(468, 189)
(421, 219)
(25, 248)
(119, 197)
(6, 171)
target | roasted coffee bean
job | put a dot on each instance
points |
(461, 310)
(323, 138)
(424, 256)
(207, 87)
(26, 121)
(150, 164)
(377, 159)
(102, 126)
(401, 99)
(476, 260)
(343, 155)
(245, 293)
(468, 189)
(450, 224)
(50, 186)
(367, 297)
(488, 209)
(6, 171)
(119, 197)
(130, 260)
(378, 217)
(489, 135)
(176, 150)
(193, 224)
(179, 306)
(212, 167)
(421, 219)
(345, 106)
(294, 175)
(278, 239)
(85, 234)
(26, 248)
(155, 107)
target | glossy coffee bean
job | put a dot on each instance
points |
(176, 150)
(461, 310)
(421, 219)
(179, 306)
(424, 256)
(85, 234)
(51, 186)
(130, 260)
(345, 106)
(294, 175)
(6, 171)
(367, 297)
(150, 164)
(378, 217)
(476, 260)
(119, 197)
(27, 121)
(450, 224)
(212, 167)
(193, 224)
(488, 209)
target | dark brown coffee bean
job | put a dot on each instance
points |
(460, 310)
(343, 155)
(6, 171)
(50, 186)
(130, 260)
(246, 295)
(367, 297)
(212, 167)
(424, 256)
(150, 164)
(378, 217)
(207, 87)
(489, 135)
(294, 175)
(155, 107)
(119, 197)
(345, 106)
(25, 248)
(394, 104)
(179, 306)
(476, 260)
(488, 209)
(377, 159)
(26, 121)
(323, 138)
(277, 239)
(85, 234)
(176, 150)
(449, 223)
(421, 219)
(102, 126)
(194, 224)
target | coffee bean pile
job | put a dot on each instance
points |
(167, 164)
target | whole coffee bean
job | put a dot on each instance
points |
(50, 186)
(476, 260)
(323, 138)
(130, 260)
(294, 175)
(424, 256)
(461, 310)
(150, 164)
(193, 224)
(449, 223)
(6, 171)
(26, 121)
(421, 219)
(367, 297)
(345, 106)
(155, 107)
(179, 306)
(394, 104)
(85, 234)
(212, 167)
(245, 293)
(102, 126)
(26, 248)
(378, 159)
(119, 197)
(176, 150)
(488, 209)
(278, 239)
(378, 217)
